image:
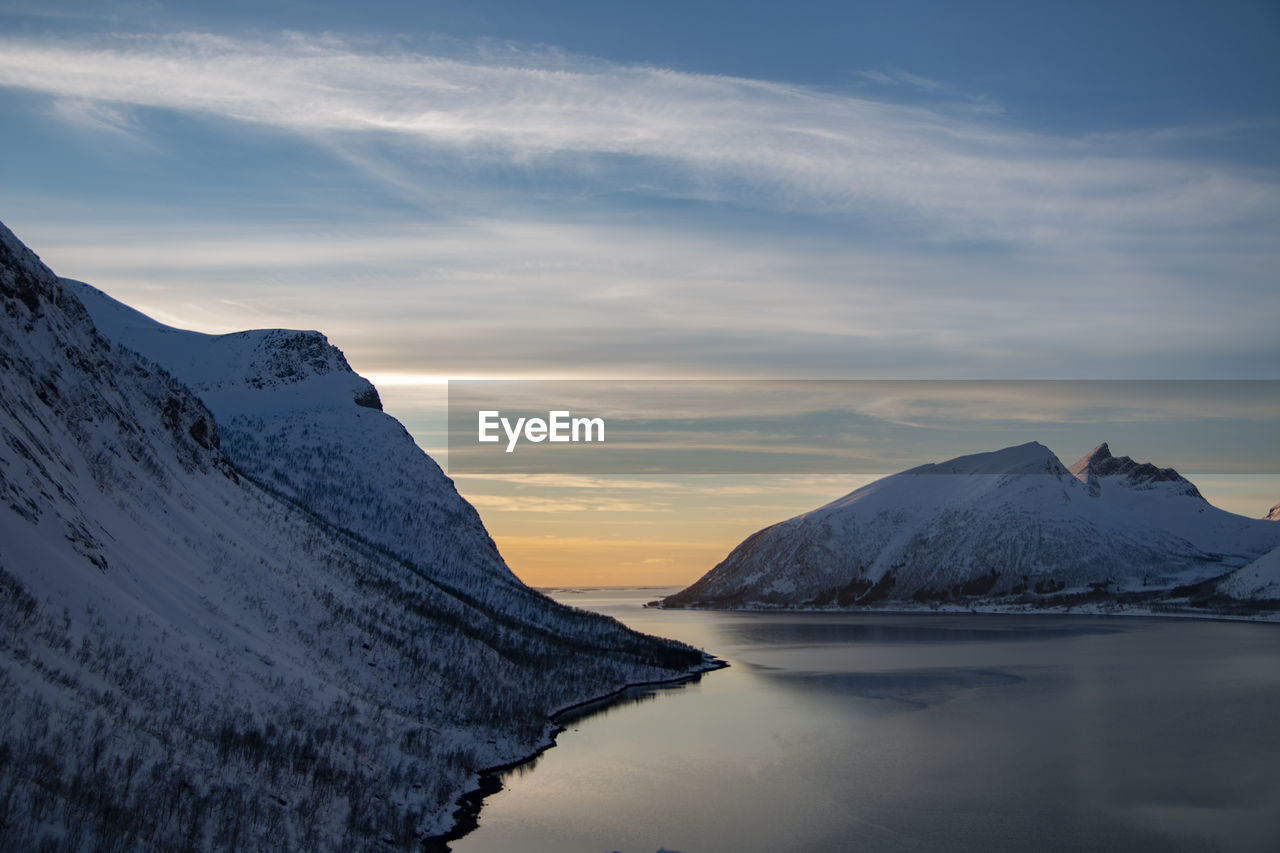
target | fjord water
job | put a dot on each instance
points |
(835, 732)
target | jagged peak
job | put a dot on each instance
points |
(1098, 455)
(1099, 466)
(1273, 514)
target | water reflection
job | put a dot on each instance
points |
(629, 696)
(835, 732)
(467, 816)
(567, 720)
(814, 629)
(909, 689)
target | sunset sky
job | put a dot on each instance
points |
(737, 190)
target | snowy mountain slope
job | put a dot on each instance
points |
(1258, 581)
(296, 418)
(1014, 524)
(188, 661)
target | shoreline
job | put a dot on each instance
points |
(1262, 617)
(466, 815)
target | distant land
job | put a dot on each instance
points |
(1013, 529)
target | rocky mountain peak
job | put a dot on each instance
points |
(1096, 457)
(1099, 467)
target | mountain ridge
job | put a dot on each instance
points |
(1002, 528)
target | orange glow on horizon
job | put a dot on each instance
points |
(553, 561)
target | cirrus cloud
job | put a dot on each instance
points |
(948, 168)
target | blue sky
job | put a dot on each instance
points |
(1083, 190)
(668, 190)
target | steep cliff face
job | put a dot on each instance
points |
(1011, 525)
(193, 661)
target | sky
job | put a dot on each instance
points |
(726, 190)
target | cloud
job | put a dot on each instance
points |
(879, 239)
(701, 135)
(896, 76)
(558, 297)
(97, 116)
(881, 77)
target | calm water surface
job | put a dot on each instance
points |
(921, 732)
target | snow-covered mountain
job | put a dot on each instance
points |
(1014, 525)
(192, 660)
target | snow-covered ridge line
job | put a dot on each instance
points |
(1008, 528)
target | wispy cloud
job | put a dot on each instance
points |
(714, 136)
(556, 298)
(97, 116)
(896, 76)
(940, 92)
(946, 243)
